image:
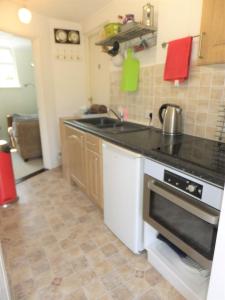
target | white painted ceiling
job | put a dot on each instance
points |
(71, 10)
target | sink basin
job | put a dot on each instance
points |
(126, 127)
(111, 125)
(102, 122)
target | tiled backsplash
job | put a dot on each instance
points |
(199, 97)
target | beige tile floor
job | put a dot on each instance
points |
(57, 247)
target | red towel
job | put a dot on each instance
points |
(178, 59)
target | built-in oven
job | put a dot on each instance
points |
(172, 206)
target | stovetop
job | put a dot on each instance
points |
(207, 157)
(200, 157)
(202, 152)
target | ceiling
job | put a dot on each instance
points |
(70, 10)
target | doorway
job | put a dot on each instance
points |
(19, 120)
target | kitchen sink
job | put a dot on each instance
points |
(111, 125)
(102, 122)
(126, 127)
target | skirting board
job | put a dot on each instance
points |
(4, 284)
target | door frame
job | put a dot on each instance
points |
(44, 134)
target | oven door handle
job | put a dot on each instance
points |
(194, 210)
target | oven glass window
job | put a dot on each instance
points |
(192, 230)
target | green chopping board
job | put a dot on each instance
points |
(130, 73)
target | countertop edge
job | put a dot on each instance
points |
(154, 156)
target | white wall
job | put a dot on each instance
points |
(51, 83)
(22, 99)
(173, 18)
(98, 73)
(68, 62)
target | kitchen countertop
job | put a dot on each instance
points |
(199, 157)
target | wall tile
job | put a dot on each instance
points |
(211, 119)
(203, 105)
(200, 131)
(204, 92)
(200, 97)
(218, 79)
(206, 79)
(217, 93)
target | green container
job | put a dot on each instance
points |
(112, 29)
(130, 73)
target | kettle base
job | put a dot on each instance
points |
(172, 134)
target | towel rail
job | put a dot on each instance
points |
(164, 44)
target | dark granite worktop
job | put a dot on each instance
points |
(199, 157)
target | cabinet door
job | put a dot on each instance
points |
(94, 176)
(212, 43)
(76, 152)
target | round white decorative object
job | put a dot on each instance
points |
(24, 15)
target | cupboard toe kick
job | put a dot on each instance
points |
(82, 161)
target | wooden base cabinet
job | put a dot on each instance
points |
(75, 140)
(82, 161)
(94, 169)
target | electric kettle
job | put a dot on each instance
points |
(170, 115)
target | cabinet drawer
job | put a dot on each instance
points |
(73, 131)
(93, 143)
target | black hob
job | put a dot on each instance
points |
(206, 157)
(200, 157)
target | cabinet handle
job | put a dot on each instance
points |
(200, 45)
(73, 137)
(207, 216)
(91, 144)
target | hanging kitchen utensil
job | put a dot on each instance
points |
(141, 46)
(130, 73)
(115, 49)
(118, 59)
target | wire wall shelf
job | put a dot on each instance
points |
(137, 30)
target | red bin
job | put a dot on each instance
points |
(7, 180)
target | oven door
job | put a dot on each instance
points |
(186, 222)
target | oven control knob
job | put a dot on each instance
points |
(191, 188)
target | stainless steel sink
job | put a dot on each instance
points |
(111, 125)
(126, 127)
(102, 122)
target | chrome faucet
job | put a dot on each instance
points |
(118, 115)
